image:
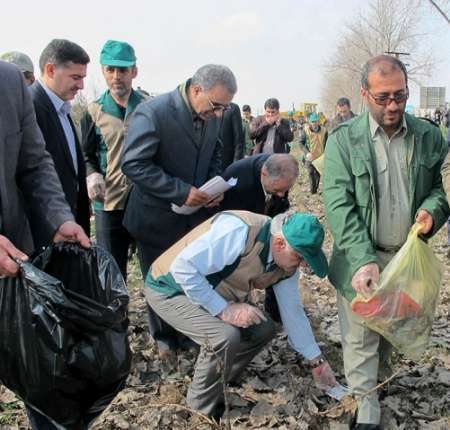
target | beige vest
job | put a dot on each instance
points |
(234, 282)
(117, 186)
(316, 142)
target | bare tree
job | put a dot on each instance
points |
(384, 26)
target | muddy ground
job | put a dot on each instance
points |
(277, 391)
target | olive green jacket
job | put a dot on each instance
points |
(350, 191)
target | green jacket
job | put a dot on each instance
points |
(349, 190)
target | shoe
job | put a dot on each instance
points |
(218, 413)
(353, 425)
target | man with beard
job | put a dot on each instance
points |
(63, 66)
(103, 135)
(343, 112)
(382, 174)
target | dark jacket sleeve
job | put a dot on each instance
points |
(90, 143)
(284, 130)
(140, 148)
(36, 173)
(238, 133)
(259, 128)
(215, 166)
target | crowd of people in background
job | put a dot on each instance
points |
(134, 157)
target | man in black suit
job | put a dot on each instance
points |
(263, 183)
(172, 148)
(232, 136)
(27, 174)
(63, 67)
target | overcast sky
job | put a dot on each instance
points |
(275, 48)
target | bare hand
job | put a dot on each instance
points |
(72, 232)
(242, 315)
(215, 201)
(323, 376)
(309, 157)
(8, 267)
(365, 279)
(96, 187)
(272, 119)
(197, 197)
(424, 218)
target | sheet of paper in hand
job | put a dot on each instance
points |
(213, 187)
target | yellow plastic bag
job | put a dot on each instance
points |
(319, 164)
(402, 307)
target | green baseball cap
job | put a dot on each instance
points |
(117, 54)
(305, 234)
(314, 117)
(21, 60)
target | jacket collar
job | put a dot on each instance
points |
(109, 105)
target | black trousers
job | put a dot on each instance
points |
(113, 236)
(40, 422)
(314, 177)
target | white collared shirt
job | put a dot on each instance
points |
(63, 109)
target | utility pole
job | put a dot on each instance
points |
(397, 54)
(444, 15)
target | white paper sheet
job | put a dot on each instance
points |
(338, 391)
(213, 187)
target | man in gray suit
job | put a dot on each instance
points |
(171, 149)
(26, 174)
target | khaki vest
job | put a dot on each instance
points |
(316, 141)
(234, 282)
(112, 129)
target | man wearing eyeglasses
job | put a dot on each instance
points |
(382, 174)
(171, 149)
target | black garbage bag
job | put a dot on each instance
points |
(63, 333)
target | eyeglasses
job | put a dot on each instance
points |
(385, 100)
(218, 107)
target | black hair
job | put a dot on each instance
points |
(62, 51)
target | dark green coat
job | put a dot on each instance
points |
(350, 192)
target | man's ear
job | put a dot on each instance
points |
(278, 243)
(49, 70)
(363, 92)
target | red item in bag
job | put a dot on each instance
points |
(394, 305)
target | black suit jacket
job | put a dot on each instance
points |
(248, 194)
(163, 158)
(27, 174)
(232, 136)
(73, 184)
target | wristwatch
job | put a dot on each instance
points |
(316, 362)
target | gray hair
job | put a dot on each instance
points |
(278, 221)
(281, 165)
(210, 75)
(375, 65)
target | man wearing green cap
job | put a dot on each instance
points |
(103, 130)
(23, 63)
(201, 287)
(313, 142)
